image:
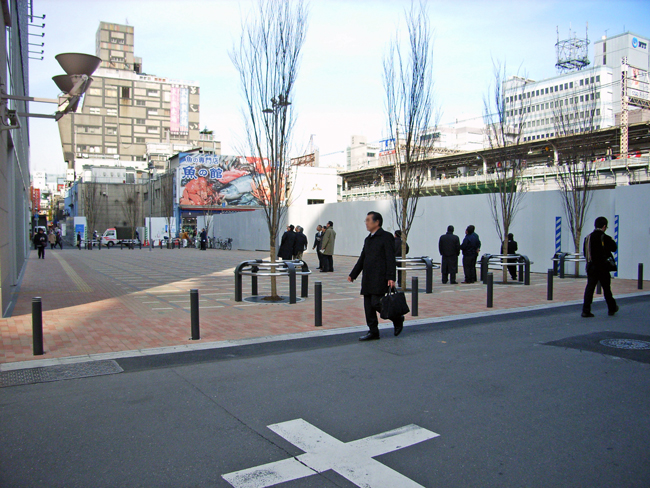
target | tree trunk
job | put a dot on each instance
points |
(404, 236)
(504, 250)
(274, 286)
(576, 244)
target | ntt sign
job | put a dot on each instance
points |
(640, 44)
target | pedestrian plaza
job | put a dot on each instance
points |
(114, 301)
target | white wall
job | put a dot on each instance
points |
(534, 225)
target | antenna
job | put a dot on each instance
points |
(572, 54)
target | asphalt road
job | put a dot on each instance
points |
(508, 408)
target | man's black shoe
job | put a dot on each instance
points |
(454, 282)
(587, 314)
(399, 326)
(612, 312)
(369, 337)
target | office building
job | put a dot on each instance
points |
(126, 109)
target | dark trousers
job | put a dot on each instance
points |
(449, 267)
(595, 275)
(469, 268)
(203, 245)
(41, 252)
(320, 258)
(372, 305)
(328, 262)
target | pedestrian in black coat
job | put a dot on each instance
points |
(204, 239)
(287, 244)
(300, 243)
(512, 249)
(471, 246)
(318, 240)
(449, 248)
(598, 248)
(40, 241)
(377, 261)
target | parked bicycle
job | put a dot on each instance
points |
(225, 244)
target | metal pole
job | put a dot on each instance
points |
(414, 296)
(194, 314)
(254, 270)
(562, 256)
(490, 289)
(37, 326)
(526, 271)
(549, 285)
(429, 275)
(292, 283)
(150, 206)
(318, 304)
(640, 283)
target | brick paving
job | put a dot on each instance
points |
(119, 300)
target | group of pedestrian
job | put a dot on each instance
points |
(293, 243)
(54, 238)
(450, 247)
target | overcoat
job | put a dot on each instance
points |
(377, 261)
(286, 245)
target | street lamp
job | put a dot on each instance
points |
(78, 67)
(277, 104)
(150, 167)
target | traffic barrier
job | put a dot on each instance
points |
(414, 296)
(549, 284)
(490, 290)
(318, 304)
(194, 314)
(37, 326)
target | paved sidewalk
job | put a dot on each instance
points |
(120, 300)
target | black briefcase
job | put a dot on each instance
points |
(393, 305)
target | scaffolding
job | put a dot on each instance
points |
(573, 53)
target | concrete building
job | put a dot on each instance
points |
(15, 198)
(126, 109)
(596, 88)
(360, 154)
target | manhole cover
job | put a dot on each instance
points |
(631, 344)
(59, 372)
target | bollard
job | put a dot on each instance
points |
(318, 304)
(37, 326)
(292, 282)
(414, 296)
(640, 279)
(254, 291)
(194, 314)
(549, 285)
(599, 289)
(429, 275)
(561, 265)
(121, 245)
(490, 289)
(160, 242)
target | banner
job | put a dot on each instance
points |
(184, 109)
(174, 109)
(218, 181)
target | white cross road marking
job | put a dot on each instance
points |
(352, 460)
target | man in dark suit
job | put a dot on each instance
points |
(471, 247)
(512, 249)
(318, 239)
(377, 261)
(287, 244)
(300, 243)
(598, 247)
(449, 247)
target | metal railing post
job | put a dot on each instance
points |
(414, 296)
(238, 281)
(194, 314)
(254, 291)
(318, 304)
(485, 259)
(429, 274)
(292, 282)
(549, 285)
(640, 277)
(526, 271)
(490, 289)
(562, 256)
(37, 326)
(304, 281)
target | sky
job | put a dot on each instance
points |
(339, 90)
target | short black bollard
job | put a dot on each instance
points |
(490, 289)
(160, 242)
(599, 289)
(37, 326)
(640, 283)
(121, 245)
(414, 296)
(194, 314)
(549, 285)
(318, 304)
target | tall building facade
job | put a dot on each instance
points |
(126, 109)
(360, 154)
(593, 93)
(15, 194)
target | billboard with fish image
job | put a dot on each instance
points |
(205, 180)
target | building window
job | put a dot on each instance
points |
(95, 92)
(111, 131)
(153, 93)
(592, 79)
(111, 111)
(598, 79)
(314, 201)
(153, 130)
(140, 121)
(582, 82)
(560, 87)
(571, 85)
(126, 92)
(111, 150)
(95, 110)
(115, 40)
(604, 59)
(546, 91)
(152, 111)
(597, 111)
(597, 95)
(536, 93)
(139, 140)
(566, 86)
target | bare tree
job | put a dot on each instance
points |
(575, 113)
(91, 201)
(267, 60)
(131, 207)
(408, 83)
(505, 111)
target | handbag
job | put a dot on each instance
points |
(610, 263)
(393, 305)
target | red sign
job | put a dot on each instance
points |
(36, 200)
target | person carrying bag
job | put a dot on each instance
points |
(598, 248)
